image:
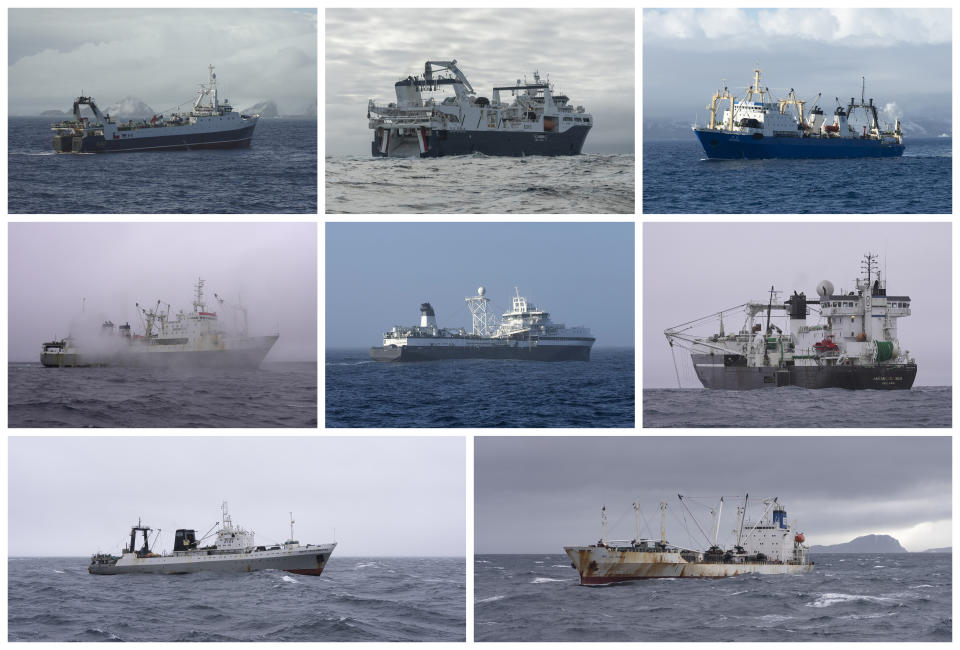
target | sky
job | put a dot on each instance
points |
(905, 55)
(160, 56)
(691, 270)
(378, 274)
(270, 268)
(368, 51)
(538, 494)
(73, 496)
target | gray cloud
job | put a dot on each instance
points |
(384, 496)
(160, 55)
(536, 494)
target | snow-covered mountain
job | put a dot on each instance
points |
(263, 109)
(129, 107)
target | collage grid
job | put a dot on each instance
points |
(480, 493)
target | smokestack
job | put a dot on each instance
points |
(427, 317)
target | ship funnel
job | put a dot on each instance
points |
(825, 289)
(427, 317)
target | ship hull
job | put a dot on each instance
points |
(517, 353)
(722, 145)
(251, 355)
(184, 138)
(489, 143)
(309, 561)
(713, 373)
(602, 566)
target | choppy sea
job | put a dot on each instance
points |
(480, 392)
(479, 184)
(792, 407)
(275, 395)
(356, 599)
(276, 174)
(678, 178)
(848, 597)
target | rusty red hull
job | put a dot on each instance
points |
(602, 566)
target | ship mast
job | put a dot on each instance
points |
(603, 526)
(636, 523)
(716, 512)
(663, 523)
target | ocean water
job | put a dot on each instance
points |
(356, 599)
(847, 597)
(478, 184)
(921, 406)
(277, 173)
(276, 395)
(480, 392)
(678, 178)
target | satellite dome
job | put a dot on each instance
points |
(481, 291)
(825, 288)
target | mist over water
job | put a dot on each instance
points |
(275, 395)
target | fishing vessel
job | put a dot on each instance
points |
(767, 545)
(525, 333)
(537, 122)
(197, 338)
(759, 126)
(854, 344)
(234, 550)
(211, 124)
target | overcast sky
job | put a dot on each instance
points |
(537, 494)
(378, 274)
(160, 56)
(588, 53)
(385, 496)
(691, 270)
(905, 55)
(271, 268)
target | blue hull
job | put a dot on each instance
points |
(212, 140)
(500, 143)
(717, 144)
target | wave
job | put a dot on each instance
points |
(491, 599)
(537, 581)
(826, 600)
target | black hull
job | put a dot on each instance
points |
(443, 353)
(894, 377)
(234, 139)
(498, 143)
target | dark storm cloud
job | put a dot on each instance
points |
(536, 494)
(367, 52)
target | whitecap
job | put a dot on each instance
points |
(57, 571)
(490, 599)
(537, 581)
(289, 579)
(826, 600)
(923, 587)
